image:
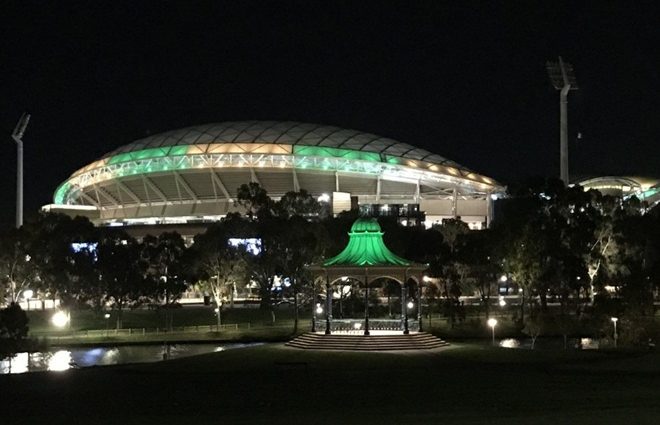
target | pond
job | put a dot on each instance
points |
(61, 359)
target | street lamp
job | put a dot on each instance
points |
(616, 335)
(27, 294)
(410, 306)
(492, 323)
(60, 319)
(106, 316)
(317, 310)
(17, 135)
(502, 301)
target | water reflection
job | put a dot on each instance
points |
(60, 360)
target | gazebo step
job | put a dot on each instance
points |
(415, 341)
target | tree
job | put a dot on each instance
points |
(451, 230)
(62, 271)
(13, 323)
(255, 200)
(13, 330)
(120, 272)
(17, 271)
(164, 257)
(477, 266)
(533, 327)
(300, 203)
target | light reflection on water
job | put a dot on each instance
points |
(61, 360)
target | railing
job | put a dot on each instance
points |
(155, 332)
(357, 325)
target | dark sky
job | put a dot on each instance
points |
(463, 79)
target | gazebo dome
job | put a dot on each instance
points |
(365, 225)
(366, 248)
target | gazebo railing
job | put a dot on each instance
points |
(357, 325)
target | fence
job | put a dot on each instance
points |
(152, 332)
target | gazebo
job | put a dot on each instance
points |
(365, 259)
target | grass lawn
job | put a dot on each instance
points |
(272, 384)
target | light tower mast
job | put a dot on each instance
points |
(563, 79)
(17, 135)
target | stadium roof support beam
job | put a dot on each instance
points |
(254, 177)
(100, 191)
(128, 191)
(218, 182)
(90, 199)
(186, 187)
(149, 184)
(296, 184)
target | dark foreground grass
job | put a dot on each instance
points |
(466, 384)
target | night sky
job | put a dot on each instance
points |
(465, 79)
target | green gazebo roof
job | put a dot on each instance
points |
(366, 247)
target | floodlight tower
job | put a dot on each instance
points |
(563, 79)
(17, 135)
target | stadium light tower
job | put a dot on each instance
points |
(563, 79)
(17, 135)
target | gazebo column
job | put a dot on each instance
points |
(328, 305)
(404, 308)
(314, 305)
(419, 305)
(366, 304)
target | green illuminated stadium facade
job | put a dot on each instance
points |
(192, 175)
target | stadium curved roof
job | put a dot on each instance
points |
(281, 132)
(206, 164)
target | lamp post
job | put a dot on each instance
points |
(492, 323)
(17, 135)
(409, 306)
(318, 309)
(106, 316)
(616, 335)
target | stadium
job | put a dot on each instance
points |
(646, 189)
(191, 176)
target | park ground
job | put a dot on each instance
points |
(467, 383)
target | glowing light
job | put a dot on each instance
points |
(60, 319)
(28, 293)
(502, 302)
(492, 322)
(106, 315)
(614, 319)
(59, 361)
(510, 343)
(410, 305)
(426, 279)
(319, 309)
(357, 326)
(324, 198)
(503, 278)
